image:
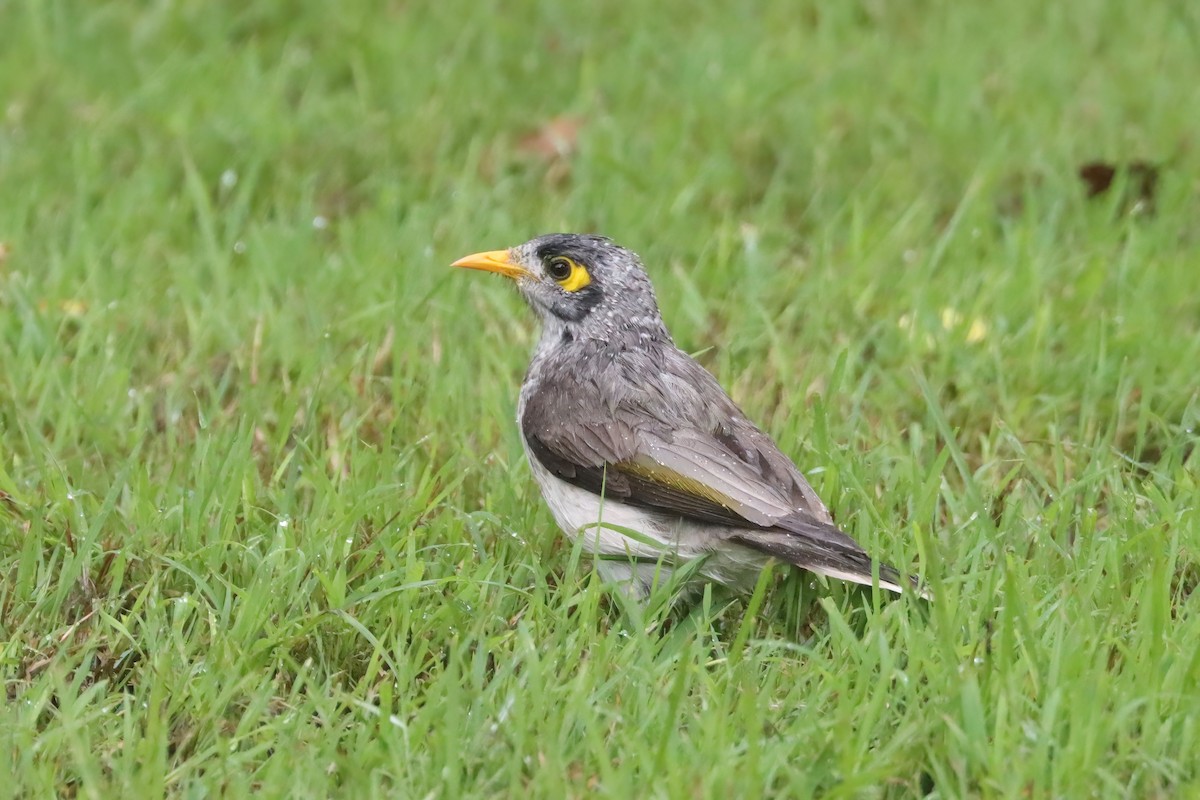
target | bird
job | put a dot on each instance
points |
(636, 447)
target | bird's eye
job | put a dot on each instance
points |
(568, 274)
(559, 268)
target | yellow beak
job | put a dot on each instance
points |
(493, 261)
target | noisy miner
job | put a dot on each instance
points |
(639, 450)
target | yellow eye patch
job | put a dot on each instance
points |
(568, 274)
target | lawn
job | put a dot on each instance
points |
(265, 522)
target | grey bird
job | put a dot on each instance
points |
(639, 450)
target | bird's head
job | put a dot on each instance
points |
(580, 281)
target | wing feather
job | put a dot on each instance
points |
(662, 434)
(678, 472)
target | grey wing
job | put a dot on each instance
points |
(669, 438)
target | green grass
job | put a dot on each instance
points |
(266, 526)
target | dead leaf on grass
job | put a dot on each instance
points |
(553, 144)
(556, 139)
(1141, 182)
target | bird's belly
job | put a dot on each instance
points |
(603, 523)
(661, 541)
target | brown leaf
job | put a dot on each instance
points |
(555, 140)
(1098, 176)
(1141, 182)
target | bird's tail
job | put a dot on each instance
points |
(821, 548)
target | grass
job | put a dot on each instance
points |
(265, 525)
